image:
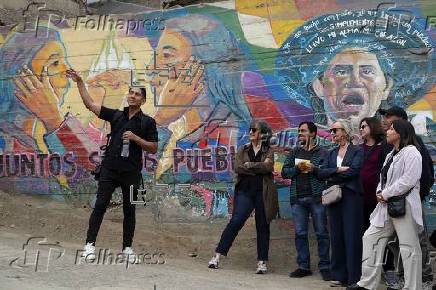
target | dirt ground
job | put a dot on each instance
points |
(184, 249)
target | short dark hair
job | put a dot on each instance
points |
(375, 127)
(143, 93)
(311, 125)
(406, 132)
(394, 111)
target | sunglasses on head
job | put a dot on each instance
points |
(334, 130)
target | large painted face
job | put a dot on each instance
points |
(353, 85)
(174, 52)
(52, 57)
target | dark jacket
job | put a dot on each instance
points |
(427, 175)
(349, 179)
(290, 171)
(265, 169)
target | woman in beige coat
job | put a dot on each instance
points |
(399, 176)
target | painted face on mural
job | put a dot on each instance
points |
(174, 52)
(52, 56)
(353, 85)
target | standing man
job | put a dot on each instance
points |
(131, 133)
(426, 182)
(305, 191)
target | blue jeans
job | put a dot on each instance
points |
(244, 205)
(301, 209)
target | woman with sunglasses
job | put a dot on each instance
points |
(254, 189)
(342, 167)
(372, 133)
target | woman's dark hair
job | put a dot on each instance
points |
(406, 132)
(375, 128)
(265, 131)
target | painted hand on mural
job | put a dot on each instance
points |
(73, 75)
(39, 96)
(178, 92)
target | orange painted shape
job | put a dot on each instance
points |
(265, 109)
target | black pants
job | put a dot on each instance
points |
(346, 223)
(244, 205)
(109, 181)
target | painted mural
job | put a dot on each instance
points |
(208, 71)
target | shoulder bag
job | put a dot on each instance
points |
(331, 195)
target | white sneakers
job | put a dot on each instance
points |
(213, 263)
(261, 267)
(128, 251)
(89, 251)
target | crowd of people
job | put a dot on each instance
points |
(375, 223)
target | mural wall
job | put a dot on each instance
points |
(208, 70)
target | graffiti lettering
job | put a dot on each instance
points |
(202, 160)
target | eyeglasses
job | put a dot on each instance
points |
(363, 127)
(333, 130)
(254, 130)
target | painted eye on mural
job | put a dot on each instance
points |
(367, 70)
(341, 70)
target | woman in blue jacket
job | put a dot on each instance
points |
(342, 168)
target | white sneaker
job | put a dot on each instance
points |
(261, 267)
(213, 263)
(131, 255)
(89, 251)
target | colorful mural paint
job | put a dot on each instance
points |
(208, 70)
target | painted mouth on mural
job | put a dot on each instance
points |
(353, 102)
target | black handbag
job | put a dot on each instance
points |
(397, 205)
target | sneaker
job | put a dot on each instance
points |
(325, 274)
(356, 287)
(89, 251)
(213, 263)
(261, 267)
(300, 273)
(128, 251)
